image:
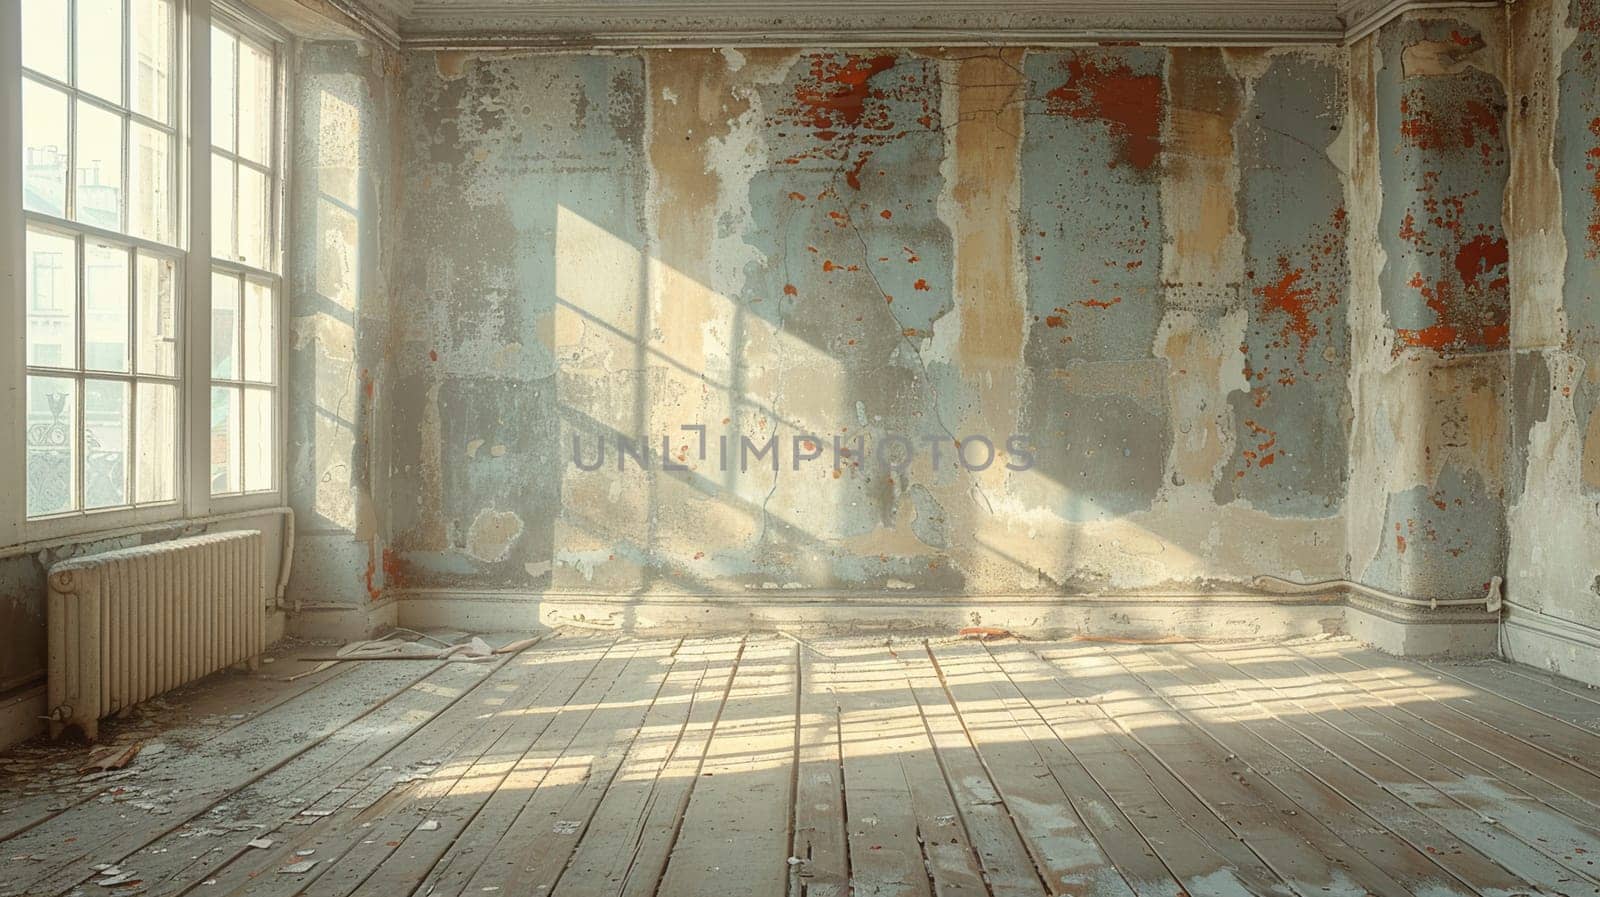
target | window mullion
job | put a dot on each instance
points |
(197, 269)
(12, 299)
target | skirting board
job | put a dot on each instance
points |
(21, 715)
(1550, 643)
(1197, 617)
(343, 621)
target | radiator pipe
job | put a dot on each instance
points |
(1491, 602)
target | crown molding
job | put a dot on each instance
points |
(607, 24)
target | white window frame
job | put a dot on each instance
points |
(191, 184)
(252, 27)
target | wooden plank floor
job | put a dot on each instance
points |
(764, 765)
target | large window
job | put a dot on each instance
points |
(101, 261)
(118, 396)
(244, 280)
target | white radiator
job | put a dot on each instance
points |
(128, 625)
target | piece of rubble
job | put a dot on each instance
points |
(297, 868)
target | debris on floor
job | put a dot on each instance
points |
(297, 868)
(984, 633)
(111, 758)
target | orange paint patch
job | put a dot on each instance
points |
(789, 290)
(920, 284)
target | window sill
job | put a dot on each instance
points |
(116, 525)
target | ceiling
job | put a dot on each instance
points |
(627, 23)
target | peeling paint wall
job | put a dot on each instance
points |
(1133, 256)
(343, 232)
(1554, 568)
(1430, 305)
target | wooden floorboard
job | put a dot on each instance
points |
(593, 765)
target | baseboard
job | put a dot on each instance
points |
(343, 622)
(1422, 632)
(1200, 617)
(1551, 643)
(21, 715)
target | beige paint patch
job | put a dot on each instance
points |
(988, 142)
(1533, 203)
(1204, 256)
(492, 535)
(1432, 58)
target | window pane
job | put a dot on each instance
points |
(152, 58)
(157, 444)
(44, 46)
(224, 229)
(52, 272)
(105, 443)
(259, 332)
(44, 149)
(158, 316)
(224, 439)
(99, 57)
(259, 456)
(52, 442)
(253, 206)
(150, 214)
(99, 164)
(224, 326)
(255, 103)
(105, 308)
(224, 53)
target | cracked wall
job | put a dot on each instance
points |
(1132, 256)
(1429, 305)
(1554, 566)
(343, 236)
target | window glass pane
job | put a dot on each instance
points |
(105, 308)
(99, 164)
(157, 441)
(224, 326)
(150, 212)
(44, 41)
(224, 53)
(44, 149)
(105, 443)
(253, 206)
(152, 58)
(52, 445)
(224, 439)
(52, 273)
(99, 55)
(260, 334)
(259, 454)
(224, 230)
(158, 316)
(255, 103)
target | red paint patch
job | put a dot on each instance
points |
(1593, 251)
(1105, 89)
(433, 355)
(1472, 124)
(1100, 303)
(921, 284)
(1290, 297)
(886, 214)
(842, 100)
(789, 290)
